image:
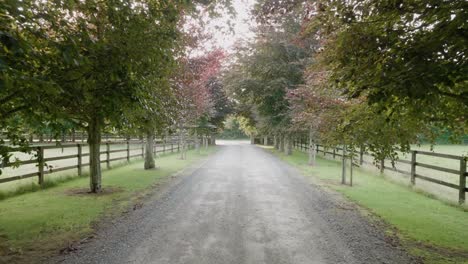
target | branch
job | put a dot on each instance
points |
(5, 115)
(461, 97)
(8, 98)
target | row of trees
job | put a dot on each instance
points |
(121, 66)
(374, 74)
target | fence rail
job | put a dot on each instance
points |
(462, 173)
(40, 160)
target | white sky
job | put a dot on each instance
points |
(242, 26)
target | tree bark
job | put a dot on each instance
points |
(265, 141)
(275, 142)
(182, 144)
(281, 143)
(288, 145)
(149, 158)
(73, 135)
(94, 141)
(343, 171)
(213, 139)
(252, 140)
(312, 151)
(197, 141)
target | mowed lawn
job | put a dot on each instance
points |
(429, 228)
(34, 225)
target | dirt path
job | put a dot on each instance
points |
(242, 206)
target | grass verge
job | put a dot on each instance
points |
(428, 228)
(34, 225)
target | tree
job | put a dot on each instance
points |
(87, 63)
(94, 60)
(314, 112)
(194, 89)
(26, 87)
(405, 57)
(264, 73)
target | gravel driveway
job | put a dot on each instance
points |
(242, 205)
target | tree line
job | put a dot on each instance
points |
(378, 75)
(117, 66)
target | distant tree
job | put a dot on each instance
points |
(194, 86)
(231, 128)
(264, 73)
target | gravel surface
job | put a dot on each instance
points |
(242, 205)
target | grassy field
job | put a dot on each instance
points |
(428, 227)
(34, 225)
(441, 192)
(446, 149)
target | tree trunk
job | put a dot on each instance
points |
(343, 167)
(351, 171)
(197, 142)
(312, 151)
(149, 159)
(265, 141)
(288, 146)
(73, 135)
(252, 140)
(281, 143)
(94, 141)
(182, 144)
(213, 139)
(275, 142)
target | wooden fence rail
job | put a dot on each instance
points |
(302, 145)
(171, 145)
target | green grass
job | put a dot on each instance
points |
(446, 149)
(36, 224)
(429, 228)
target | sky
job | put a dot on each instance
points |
(242, 26)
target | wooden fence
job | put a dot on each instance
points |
(461, 172)
(40, 160)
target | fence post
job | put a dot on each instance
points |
(80, 157)
(462, 185)
(108, 155)
(164, 145)
(40, 161)
(142, 148)
(334, 152)
(172, 144)
(128, 150)
(413, 167)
